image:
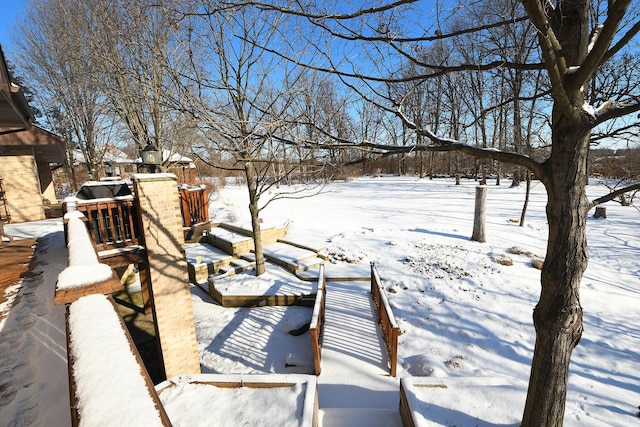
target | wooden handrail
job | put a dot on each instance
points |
(386, 319)
(317, 320)
(84, 274)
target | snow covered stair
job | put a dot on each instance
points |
(293, 258)
(204, 260)
(349, 417)
(354, 361)
(230, 241)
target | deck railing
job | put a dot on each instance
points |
(194, 204)
(387, 320)
(100, 352)
(317, 320)
(112, 223)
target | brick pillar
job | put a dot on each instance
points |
(164, 239)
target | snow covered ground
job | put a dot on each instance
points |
(461, 313)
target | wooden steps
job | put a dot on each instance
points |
(203, 260)
(293, 258)
(347, 417)
(227, 250)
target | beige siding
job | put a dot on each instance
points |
(22, 186)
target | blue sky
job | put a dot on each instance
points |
(10, 10)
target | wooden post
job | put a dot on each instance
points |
(479, 214)
(184, 205)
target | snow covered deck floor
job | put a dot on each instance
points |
(354, 387)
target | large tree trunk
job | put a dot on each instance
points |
(252, 186)
(558, 315)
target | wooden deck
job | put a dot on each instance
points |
(14, 262)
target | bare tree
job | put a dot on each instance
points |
(241, 98)
(56, 59)
(133, 50)
(570, 56)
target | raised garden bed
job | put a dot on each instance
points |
(275, 287)
(430, 401)
(237, 400)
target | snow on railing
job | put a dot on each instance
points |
(386, 319)
(317, 320)
(108, 382)
(84, 275)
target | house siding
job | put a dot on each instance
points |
(20, 179)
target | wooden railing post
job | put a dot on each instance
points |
(317, 320)
(186, 207)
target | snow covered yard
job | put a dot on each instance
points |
(251, 340)
(462, 315)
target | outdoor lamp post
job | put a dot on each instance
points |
(150, 157)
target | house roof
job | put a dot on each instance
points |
(174, 158)
(112, 155)
(47, 147)
(15, 114)
(16, 128)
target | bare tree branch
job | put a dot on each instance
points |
(615, 113)
(552, 54)
(614, 194)
(624, 41)
(340, 16)
(593, 60)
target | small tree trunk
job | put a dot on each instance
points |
(601, 212)
(431, 163)
(515, 181)
(254, 198)
(523, 214)
(479, 214)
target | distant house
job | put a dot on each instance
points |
(27, 154)
(117, 163)
(114, 163)
(183, 167)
